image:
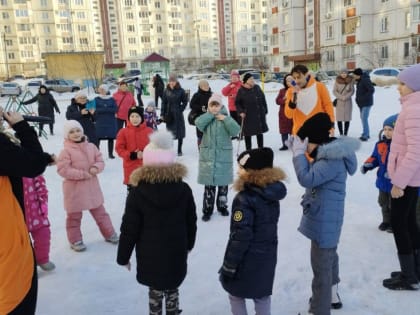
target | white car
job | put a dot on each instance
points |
(10, 88)
(384, 76)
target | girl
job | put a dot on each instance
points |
(79, 163)
(174, 101)
(131, 142)
(404, 171)
(215, 165)
(285, 124)
(343, 91)
(150, 115)
(251, 254)
(35, 195)
(162, 230)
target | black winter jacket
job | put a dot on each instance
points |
(174, 102)
(364, 91)
(46, 104)
(160, 222)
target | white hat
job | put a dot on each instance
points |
(69, 125)
(80, 93)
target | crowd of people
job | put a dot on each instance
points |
(163, 233)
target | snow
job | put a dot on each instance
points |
(92, 283)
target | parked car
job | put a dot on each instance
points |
(384, 76)
(10, 88)
(33, 86)
(279, 76)
(60, 85)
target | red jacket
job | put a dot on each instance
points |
(231, 92)
(124, 101)
(132, 139)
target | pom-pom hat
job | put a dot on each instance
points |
(159, 151)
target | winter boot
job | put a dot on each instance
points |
(417, 260)
(222, 200)
(78, 246)
(346, 127)
(111, 148)
(336, 303)
(340, 127)
(208, 202)
(407, 279)
(48, 266)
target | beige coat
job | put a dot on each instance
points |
(343, 94)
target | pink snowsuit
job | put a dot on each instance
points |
(81, 190)
(35, 195)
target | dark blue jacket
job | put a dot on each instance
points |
(105, 122)
(379, 158)
(364, 91)
(252, 247)
(74, 112)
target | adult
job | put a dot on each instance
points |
(105, 123)
(174, 101)
(343, 91)
(125, 100)
(252, 108)
(18, 158)
(198, 105)
(46, 107)
(230, 91)
(77, 111)
(138, 86)
(285, 124)
(159, 86)
(307, 98)
(364, 99)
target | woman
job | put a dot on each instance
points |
(174, 102)
(230, 91)
(159, 86)
(285, 124)
(106, 125)
(343, 91)
(46, 107)
(124, 99)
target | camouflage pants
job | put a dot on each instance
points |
(171, 301)
(210, 196)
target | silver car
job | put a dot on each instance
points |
(61, 85)
(10, 88)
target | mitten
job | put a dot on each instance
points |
(133, 156)
(366, 167)
(298, 146)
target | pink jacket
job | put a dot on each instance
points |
(124, 101)
(404, 155)
(35, 195)
(231, 92)
(81, 190)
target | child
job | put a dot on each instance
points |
(404, 171)
(79, 163)
(251, 254)
(150, 115)
(216, 164)
(162, 228)
(324, 178)
(131, 142)
(35, 195)
(379, 158)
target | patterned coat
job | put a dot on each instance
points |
(35, 195)
(325, 183)
(81, 190)
(216, 162)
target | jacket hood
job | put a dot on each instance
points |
(341, 148)
(224, 111)
(153, 174)
(46, 89)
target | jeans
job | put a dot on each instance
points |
(364, 116)
(238, 307)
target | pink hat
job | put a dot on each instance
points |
(160, 149)
(234, 73)
(215, 98)
(69, 125)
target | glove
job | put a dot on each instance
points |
(366, 167)
(133, 156)
(227, 272)
(298, 146)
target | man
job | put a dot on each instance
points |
(307, 98)
(139, 91)
(364, 99)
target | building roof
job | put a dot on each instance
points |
(154, 57)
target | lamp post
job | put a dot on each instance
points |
(6, 59)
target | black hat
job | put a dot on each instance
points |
(246, 77)
(316, 129)
(358, 71)
(256, 159)
(138, 110)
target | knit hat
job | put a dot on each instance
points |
(69, 125)
(104, 87)
(358, 71)
(172, 77)
(234, 73)
(151, 103)
(410, 77)
(246, 77)
(390, 121)
(80, 94)
(215, 98)
(316, 129)
(160, 149)
(256, 159)
(136, 109)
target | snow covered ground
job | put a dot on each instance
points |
(91, 283)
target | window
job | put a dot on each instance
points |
(244, 50)
(78, 2)
(348, 51)
(383, 1)
(48, 42)
(285, 18)
(128, 3)
(406, 49)
(46, 29)
(328, 6)
(67, 40)
(145, 39)
(44, 3)
(285, 3)
(64, 13)
(142, 2)
(82, 28)
(83, 41)
(407, 20)
(157, 5)
(384, 24)
(80, 15)
(5, 15)
(131, 28)
(22, 13)
(242, 4)
(3, 2)
(330, 32)
(330, 55)
(158, 17)
(132, 40)
(44, 15)
(129, 15)
(383, 52)
(134, 65)
(11, 55)
(416, 12)
(348, 3)
(132, 52)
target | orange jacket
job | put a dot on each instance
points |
(314, 98)
(16, 258)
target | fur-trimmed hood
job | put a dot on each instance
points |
(346, 80)
(266, 182)
(153, 174)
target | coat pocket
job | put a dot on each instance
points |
(310, 204)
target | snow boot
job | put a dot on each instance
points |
(222, 192)
(208, 202)
(407, 279)
(114, 238)
(48, 266)
(78, 246)
(417, 260)
(336, 303)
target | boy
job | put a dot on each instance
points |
(324, 177)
